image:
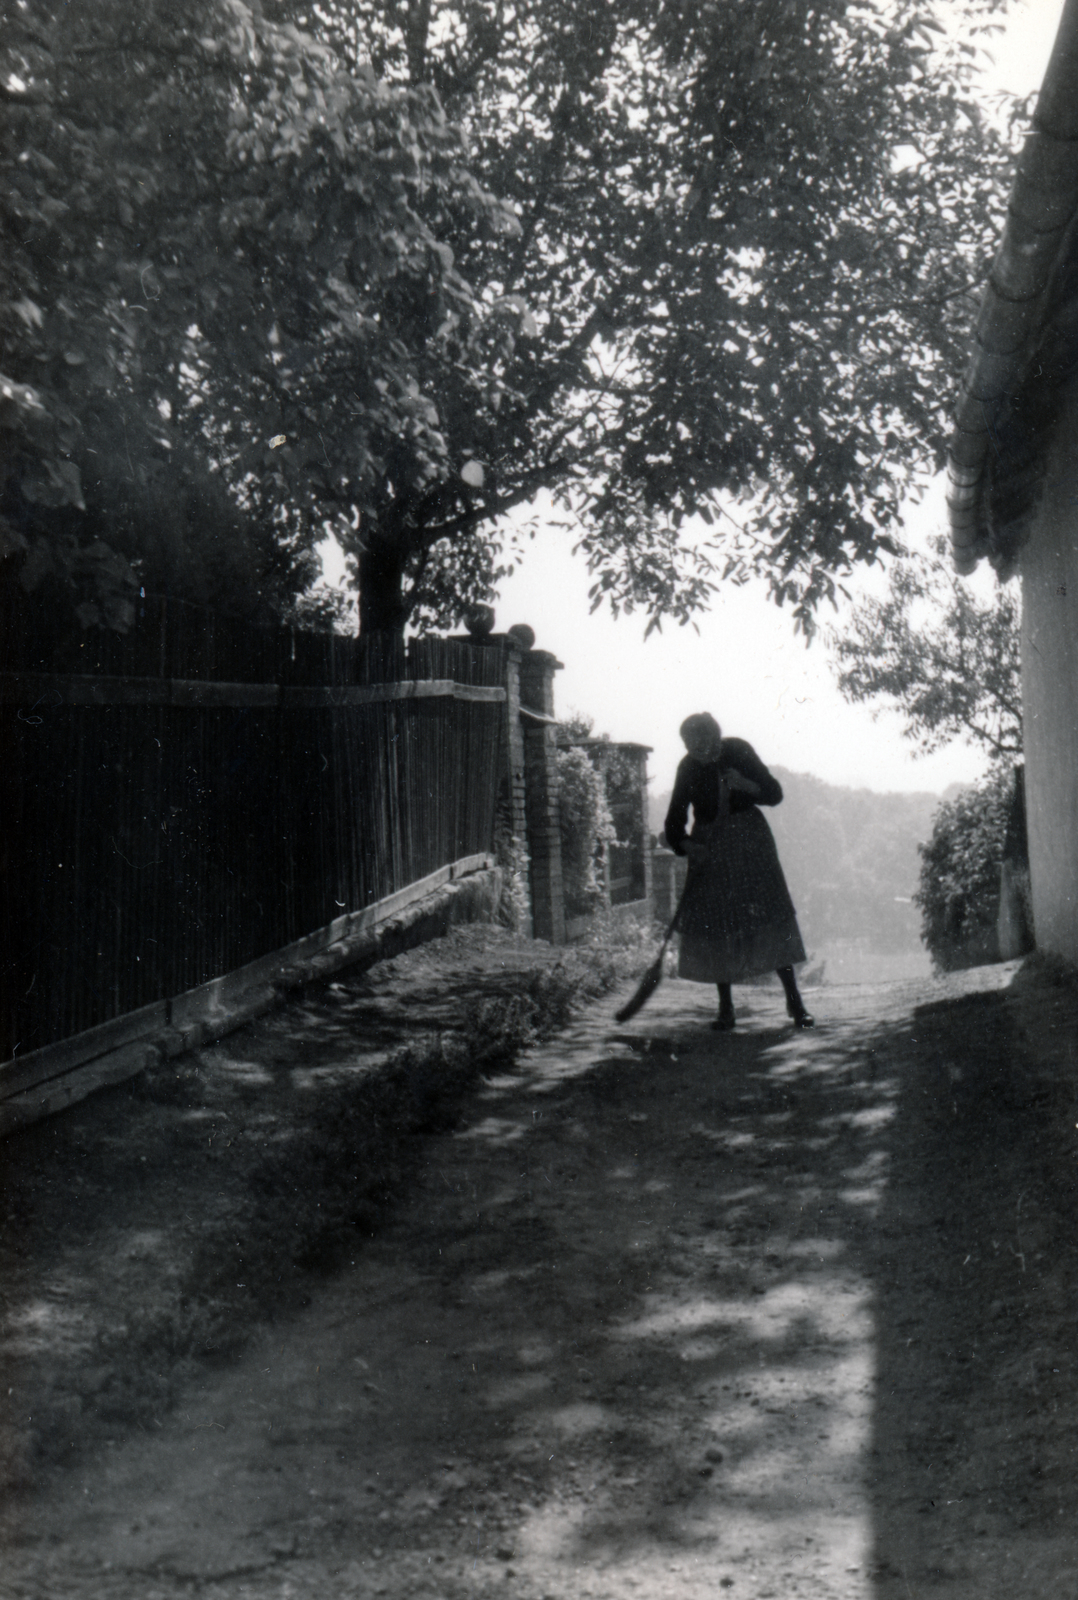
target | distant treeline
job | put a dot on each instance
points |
(850, 858)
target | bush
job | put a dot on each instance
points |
(514, 908)
(958, 892)
(586, 828)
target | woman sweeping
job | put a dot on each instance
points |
(737, 919)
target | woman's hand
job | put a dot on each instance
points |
(738, 781)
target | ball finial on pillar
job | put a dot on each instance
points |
(479, 621)
(522, 636)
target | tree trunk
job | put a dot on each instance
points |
(382, 606)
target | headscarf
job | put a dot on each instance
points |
(700, 722)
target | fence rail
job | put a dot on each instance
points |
(33, 690)
(171, 815)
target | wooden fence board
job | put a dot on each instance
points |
(251, 987)
(161, 831)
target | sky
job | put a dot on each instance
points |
(1021, 52)
(745, 664)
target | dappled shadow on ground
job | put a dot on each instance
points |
(141, 1231)
(675, 1338)
(671, 1311)
(788, 1309)
(619, 1335)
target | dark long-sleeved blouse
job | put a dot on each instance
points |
(697, 785)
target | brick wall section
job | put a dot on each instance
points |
(537, 669)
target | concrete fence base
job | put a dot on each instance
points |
(50, 1079)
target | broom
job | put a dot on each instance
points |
(654, 975)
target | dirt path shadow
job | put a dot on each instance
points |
(976, 1265)
(670, 1312)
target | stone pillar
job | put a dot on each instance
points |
(513, 821)
(641, 826)
(667, 879)
(537, 721)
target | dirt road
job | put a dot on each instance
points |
(669, 1313)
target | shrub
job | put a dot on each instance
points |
(514, 908)
(958, 892)
(586, 828)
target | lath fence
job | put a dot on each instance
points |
(182, 800)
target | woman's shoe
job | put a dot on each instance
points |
(802, 1019)
(725, 1022)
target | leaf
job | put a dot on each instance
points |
(18, 398)
(117, 613)
(57, 483)
(39, 562)
(30, 313)
(12, 542)
(473, 474)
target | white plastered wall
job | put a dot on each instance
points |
(1049, 567)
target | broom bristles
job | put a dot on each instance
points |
(654, 975)
(648, 985)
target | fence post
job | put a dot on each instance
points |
(537, 669)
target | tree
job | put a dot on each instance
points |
(224, 265)
(959, 887)
(750, 236)
(735, 249)
(948, 664)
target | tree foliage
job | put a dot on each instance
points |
(749, 235)
(225, 273)
(958, 892)
(258, 287)
(930, 651)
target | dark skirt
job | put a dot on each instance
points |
(738, 919)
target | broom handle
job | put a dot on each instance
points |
(681, 899)
(675, 920)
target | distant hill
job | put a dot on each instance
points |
(850, 858)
